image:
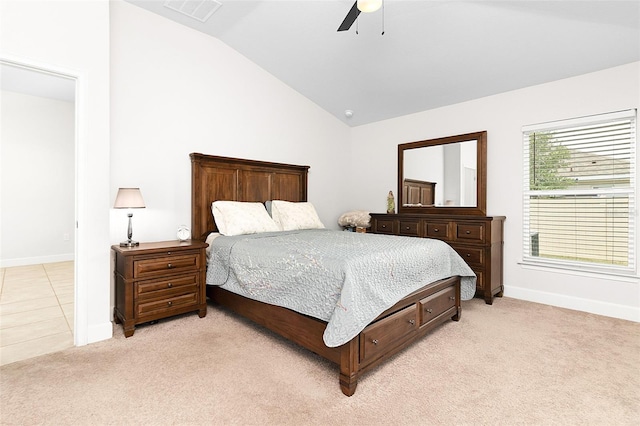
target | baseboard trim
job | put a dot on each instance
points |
(8, 263)
(625, 312)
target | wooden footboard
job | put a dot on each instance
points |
(395, 329)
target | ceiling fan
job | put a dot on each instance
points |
(359, 6)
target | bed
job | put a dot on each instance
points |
(217, 178)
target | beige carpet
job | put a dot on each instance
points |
(511, 363)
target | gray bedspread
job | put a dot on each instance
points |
(344, 278)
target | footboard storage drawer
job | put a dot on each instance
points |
(158, 280)
(435, 305)
(383, 335)
(408, 320)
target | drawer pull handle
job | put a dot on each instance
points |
(468, 254)
(169, 285)
(169, 266)
(429, 311)
(412, 322)
(168, 253)
(375, 341)
(407, 228)
(468, 232)
(169, 303)
(384, 226)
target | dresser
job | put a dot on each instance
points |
(157, 280)
(477, 239)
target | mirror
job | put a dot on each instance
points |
(444, 175)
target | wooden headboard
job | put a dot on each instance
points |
(234, 179)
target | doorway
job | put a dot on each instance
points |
(38, 238)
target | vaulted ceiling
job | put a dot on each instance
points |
(433, 52)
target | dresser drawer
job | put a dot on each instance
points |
(436, 304)
(480, 278)
(162, 265)
(387, 333)
(409, 228)
(438, 230)
(384, 226)
(165, 306)
(471, 255)
(167, 286)
(469, 231)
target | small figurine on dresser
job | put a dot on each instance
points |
(391, 203)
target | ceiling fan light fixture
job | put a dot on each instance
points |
(367, 6)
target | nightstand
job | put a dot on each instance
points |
(158, 280)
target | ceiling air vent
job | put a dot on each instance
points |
(197, 9)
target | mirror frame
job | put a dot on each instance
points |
(481, 182)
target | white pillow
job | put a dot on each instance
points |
(293, 216)
(239, 218)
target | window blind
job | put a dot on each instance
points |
(579, 192)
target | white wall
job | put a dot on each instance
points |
(72, 38)
(175, 91)
(37, 178)
(503, 116)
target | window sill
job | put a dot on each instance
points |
(574, 270)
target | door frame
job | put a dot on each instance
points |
(80, 317)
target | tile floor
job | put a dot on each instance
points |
(36, 310)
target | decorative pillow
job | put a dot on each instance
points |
(239, 218)
(293, 216)
(359, 218)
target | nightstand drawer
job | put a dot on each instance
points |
(167, 286)
(165, 306)
(165, 264)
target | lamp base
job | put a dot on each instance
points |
(129, 243)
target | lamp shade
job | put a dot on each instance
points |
(369, 5)
(129, 198)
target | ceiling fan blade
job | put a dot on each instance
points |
(350, 18)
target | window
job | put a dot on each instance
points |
(579, 193)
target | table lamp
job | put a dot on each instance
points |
(129, 198)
